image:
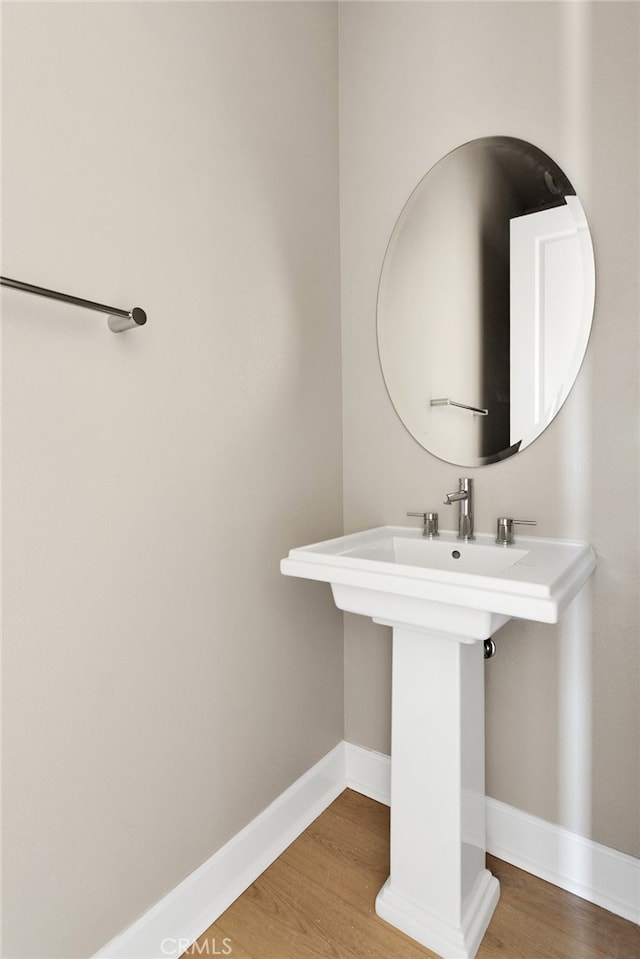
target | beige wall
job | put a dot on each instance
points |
(163, 681)
(418, 79)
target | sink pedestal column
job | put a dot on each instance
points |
(439, 891)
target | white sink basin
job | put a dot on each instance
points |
(394, 574)
(441, 597)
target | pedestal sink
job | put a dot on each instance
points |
(442, 598)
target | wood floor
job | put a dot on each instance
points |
(316, 901)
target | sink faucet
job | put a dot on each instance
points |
(464, 496)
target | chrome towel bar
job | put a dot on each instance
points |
(444, 401)
(119, 320)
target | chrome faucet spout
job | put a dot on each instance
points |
(464, 496)
(450, 498)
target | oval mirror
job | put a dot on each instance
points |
(485, 301)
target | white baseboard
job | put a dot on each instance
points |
(175, 922)
(368, 772)
(594, 872)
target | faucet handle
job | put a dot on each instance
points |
(430, 523)
(504, 530)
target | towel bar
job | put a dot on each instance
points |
(119, 320)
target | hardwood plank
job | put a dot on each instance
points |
(362, 812)
(592, 930)
(215, 943)
(358, 865)
(286, 917)
(316, 901)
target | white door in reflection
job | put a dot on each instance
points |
(551, 296)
